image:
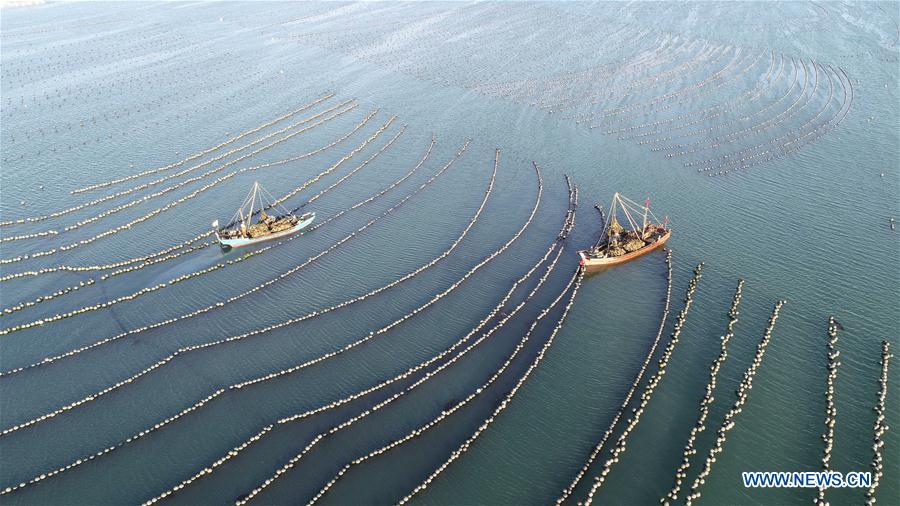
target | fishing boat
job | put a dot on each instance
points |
(618, 244)
(241, 231)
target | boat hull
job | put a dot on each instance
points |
(599, 263)
(240, 242)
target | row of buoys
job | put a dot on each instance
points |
(578, 277)
(151, 76)
(144, 186)
(162, 74)
(689, 448)
(166, 207)
(50, 69)
(180, 184)
(742, 393)
(104, 451)
(444, 413)
(104, 267)
(643, 64)
(167, 252)
(795, 79)
(220, 265)
(82, 349)
(808, 137)
(72, 209)
(200, 403)
(179, 106)
(803, 98)
(731, 158)
(631, 391)
(718, 109)
(649, 388)
(706, 114)
(402, 376)
(830, 409)
(881, 428)
(263, 330)
(608, 117)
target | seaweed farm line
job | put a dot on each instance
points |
(430, 336)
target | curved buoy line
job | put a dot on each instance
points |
(568, 223)
(631, 391)
(198, 272)
(77, 351)
(103, 305)
(577, 278)
(180, 184)
(187, 247)
(649, 388)
(259, 331)
(207, 151)
(202, 402)
(144, 186)
(728, 422)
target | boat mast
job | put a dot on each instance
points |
(646, 210)
(253, 200)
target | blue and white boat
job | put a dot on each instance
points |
(241, 231)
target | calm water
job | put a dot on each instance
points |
(97, 91)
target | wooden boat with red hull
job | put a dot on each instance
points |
(618, 244)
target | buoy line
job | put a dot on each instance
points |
(256, 332)
(611, 113)
(707, 54)
(718, 110)
(655, 80)
(819, 131)
(700, 425)
(830, 409)
(155, 212)
(649, 388)
(728, 138)
(445, 413)
(725, 105)
(795, 79)
(197, 92)
(46, 107)
(730, 159)
(706, 114)
(633, 66)
(614, 113)
(103, 305)
(881, 428)
(407, 374)
(177, 185)
(186, 244)
(728, 423)
(634, 386)
(76, 351)
(577, 278)
(192, 274)
(245, 498)
(56, 214)
(196, 406)
(185, 108)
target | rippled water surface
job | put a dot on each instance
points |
(767, 132)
